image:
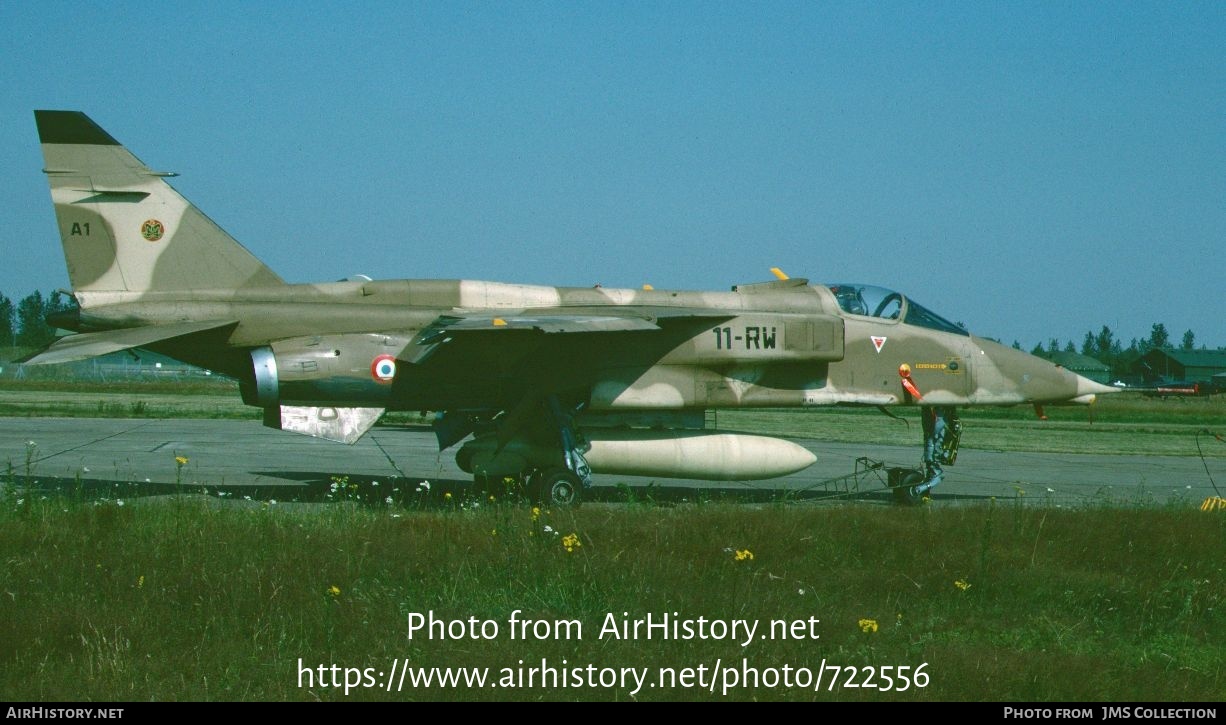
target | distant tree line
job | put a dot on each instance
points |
(25, 324)
(1110, 351)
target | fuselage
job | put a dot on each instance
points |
(776, 344)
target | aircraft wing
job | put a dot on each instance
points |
(488, 327)
(92, 344)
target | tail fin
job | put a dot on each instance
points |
(123, 227)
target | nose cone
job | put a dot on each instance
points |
(1087, 389)
(1004, 375)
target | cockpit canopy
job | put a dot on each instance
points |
(872, 301)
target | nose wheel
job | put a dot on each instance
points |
(905, 484)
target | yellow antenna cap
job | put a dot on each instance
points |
(778, 273)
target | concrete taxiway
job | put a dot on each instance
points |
(138, 457)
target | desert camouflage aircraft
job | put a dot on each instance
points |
(552, 383)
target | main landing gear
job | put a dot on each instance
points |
(555, 487)
(536, 444)
(562, 485)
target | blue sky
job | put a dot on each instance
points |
(1030, 169)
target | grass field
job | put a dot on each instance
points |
(194, 599)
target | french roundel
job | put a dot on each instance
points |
(383, 369)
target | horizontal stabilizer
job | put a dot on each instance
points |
(93, 344)
(343, 425)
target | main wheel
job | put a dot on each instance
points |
(555, 487)
(906, 493)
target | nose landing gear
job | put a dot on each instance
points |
(942, 435)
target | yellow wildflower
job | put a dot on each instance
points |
(140, 581)
(447, 496)
(334, 590)
(536, 512)
(962, 584)
(181, 460)
(868, 626)
(744, 555)
(571, 542)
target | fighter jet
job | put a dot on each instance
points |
(542, 384)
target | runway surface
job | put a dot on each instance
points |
(126, 457)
